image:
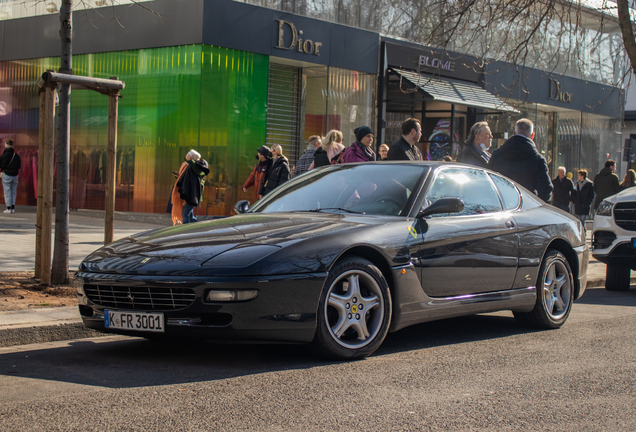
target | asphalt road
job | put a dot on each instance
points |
(476, 373)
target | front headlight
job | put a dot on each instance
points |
(605, 208)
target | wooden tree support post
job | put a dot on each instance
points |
(113, 100)
(47, 159)
(38, 223)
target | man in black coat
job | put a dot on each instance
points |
(563, 187)
(477, 145)
(582, 196)
(519, 160)
(405, 148)
(606, 183)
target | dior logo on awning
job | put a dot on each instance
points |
(307, 46)
(555, 93)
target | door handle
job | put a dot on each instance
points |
(510, 224)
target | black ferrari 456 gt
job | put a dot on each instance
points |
(341, 255)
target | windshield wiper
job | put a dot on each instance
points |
(319, 210)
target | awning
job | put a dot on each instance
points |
(455, 92)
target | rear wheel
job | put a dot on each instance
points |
(354, 312)
(617, 277)
(555, 294)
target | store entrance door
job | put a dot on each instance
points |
(284, 109)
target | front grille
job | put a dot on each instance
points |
(143, 298)
(603, 239)
(625, 215)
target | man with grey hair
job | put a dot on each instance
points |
(519, 160)
(477, 145)
(304, 162)
(563, 188)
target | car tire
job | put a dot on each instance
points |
(555, 294)
(617, 277)
(354, 312)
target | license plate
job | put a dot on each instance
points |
(634, 242)
(136, 321)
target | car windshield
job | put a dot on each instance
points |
(376, 189)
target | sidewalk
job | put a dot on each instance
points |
(86, 234)
(17, 234)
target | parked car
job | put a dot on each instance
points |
(341, 255)
(614, 238)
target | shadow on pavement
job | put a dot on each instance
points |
(601, 296)
(119, 362)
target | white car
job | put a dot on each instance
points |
(614, 238)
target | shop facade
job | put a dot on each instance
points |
(215, 75)
(577, 122)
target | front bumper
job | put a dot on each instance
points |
(284, 310)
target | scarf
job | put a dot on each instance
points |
(367, 151)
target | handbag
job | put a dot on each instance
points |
(8, 164)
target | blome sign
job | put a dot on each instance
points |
(307, 47)
(437, 63)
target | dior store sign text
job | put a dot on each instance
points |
(307, 46)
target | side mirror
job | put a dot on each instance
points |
(241, 206)
(444, 205)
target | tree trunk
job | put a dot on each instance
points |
(59, 270)
(627, 31)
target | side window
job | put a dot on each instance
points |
(508, 191)
(470, 185)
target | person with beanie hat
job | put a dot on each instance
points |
(360, 150)
(264, 156)
(10, 164)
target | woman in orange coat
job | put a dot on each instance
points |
(255, 179)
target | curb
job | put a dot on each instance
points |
(595, 283)
(46, 333)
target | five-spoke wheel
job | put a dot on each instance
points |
(354, 311)
(555, 293)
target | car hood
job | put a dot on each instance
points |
(628, 195)
(228, 246)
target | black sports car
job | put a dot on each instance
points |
(339, 256)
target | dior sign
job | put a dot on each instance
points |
(555, 93)
(307, 46)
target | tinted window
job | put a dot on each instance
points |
(470, 185)
(508, 192)
(370, 188)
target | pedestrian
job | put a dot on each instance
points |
(264, 156)
(629, 180)
(582, 196)
(405, 148)
(447, 158)
(277, 173)
(479, 141)
(360, 150)
(383, 151)
(330, 151)
(562, 192)
(606, 183)
(519, 160)
(10, 164)
(190, 186)
(304, 162)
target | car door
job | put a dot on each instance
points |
(471, 252)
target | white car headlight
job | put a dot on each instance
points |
(605, 208)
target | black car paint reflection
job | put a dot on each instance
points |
(364, 222)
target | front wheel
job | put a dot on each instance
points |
(354, 311)
(555, 294)
(617, 277)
